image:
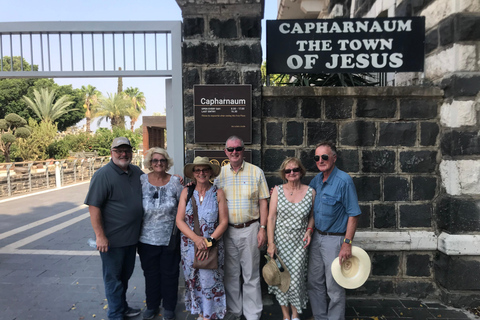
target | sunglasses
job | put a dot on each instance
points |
(202, 170)
(287, 171)
(238, 149)
(155, 161)
(324, 157)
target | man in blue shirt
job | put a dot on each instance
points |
(336, 213)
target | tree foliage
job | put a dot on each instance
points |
(35, 146)
(139, 104)
(19, 64)
(12, 127)
(91, 97)
(114, 108)
(46, 106)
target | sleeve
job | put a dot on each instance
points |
(351, 200)
(178, 187)
(263, 187)
(98, 190)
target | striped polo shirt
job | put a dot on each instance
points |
(243, 190)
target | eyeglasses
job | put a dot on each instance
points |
(287, 171)
(155, 161)
(126, 151)
(238, 149)
(324, 157)
(202, 170)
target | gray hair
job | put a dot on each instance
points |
(148, 157)
(234, 138)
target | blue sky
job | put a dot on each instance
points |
(112, 10)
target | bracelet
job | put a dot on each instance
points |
(310, 229)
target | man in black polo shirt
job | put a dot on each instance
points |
(115, 204)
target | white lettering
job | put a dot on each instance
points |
(297, 28)
(309, 26)
(294, 61)
(283, 28)
(310, 60)
(396, 60)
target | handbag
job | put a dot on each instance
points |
(212, 261)
(174, 243)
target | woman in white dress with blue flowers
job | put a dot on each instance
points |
(160, 261)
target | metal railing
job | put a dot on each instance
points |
(24, 177)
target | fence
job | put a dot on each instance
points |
(23, 177)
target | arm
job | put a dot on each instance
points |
(311, 224)
(272, 219)
(262, 233)
(346, 249)
(222, 215)
(182, 225)
(97, 224)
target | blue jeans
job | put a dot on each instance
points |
(117, 264)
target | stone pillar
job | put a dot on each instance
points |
(453, 63)
(222, 46)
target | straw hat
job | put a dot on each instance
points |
(273, 276)
(354, 271)
(200, 161)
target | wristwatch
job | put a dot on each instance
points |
(347, 241)
(263, 227)
(212, 240)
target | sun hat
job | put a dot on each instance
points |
(200, 161)
(354, 271)
(120, 141)
(274, 276)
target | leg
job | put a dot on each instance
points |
(295, 314)
(127, 271)
(250, 261)
(316, 280)
(113, 278)
(285, 312)
(232, 274)
(330, 250)
(169, 269)
(151, 261)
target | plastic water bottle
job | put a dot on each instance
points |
(92, 243)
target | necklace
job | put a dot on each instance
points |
(292, 191)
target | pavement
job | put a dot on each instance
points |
(48, 271)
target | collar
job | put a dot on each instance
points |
(331, 176)
(241, 167)
(117, 168)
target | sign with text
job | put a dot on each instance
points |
(346, 45)
(222, 111)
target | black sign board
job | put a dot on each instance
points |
(222, 111)
(346, 45)
(219, 157)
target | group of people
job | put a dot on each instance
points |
(307, 226)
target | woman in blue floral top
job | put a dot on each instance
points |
(160, 262)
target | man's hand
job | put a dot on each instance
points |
(261, 237)
(345, 252)
(102, 244)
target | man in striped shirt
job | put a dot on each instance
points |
(246, 191)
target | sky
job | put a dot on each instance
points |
(113, 10)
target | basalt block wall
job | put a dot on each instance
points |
(412, 151)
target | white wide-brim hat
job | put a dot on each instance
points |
(354, 271)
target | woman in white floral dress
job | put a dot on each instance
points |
(290, 226)
(160, 262)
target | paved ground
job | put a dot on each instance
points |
(47, 270)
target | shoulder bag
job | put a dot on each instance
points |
(212, 261)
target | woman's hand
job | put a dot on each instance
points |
(271, 249)
(203, 254)
(307, 238)
(200, 243)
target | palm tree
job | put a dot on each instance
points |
(44, 106)
(114, 108)
(91, 96)
(139, 104)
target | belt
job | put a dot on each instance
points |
(242, 225)
(331, 233)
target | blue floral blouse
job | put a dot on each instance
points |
(160, 209)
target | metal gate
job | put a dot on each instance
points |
(100, 49)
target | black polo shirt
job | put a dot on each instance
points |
(118, 194)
